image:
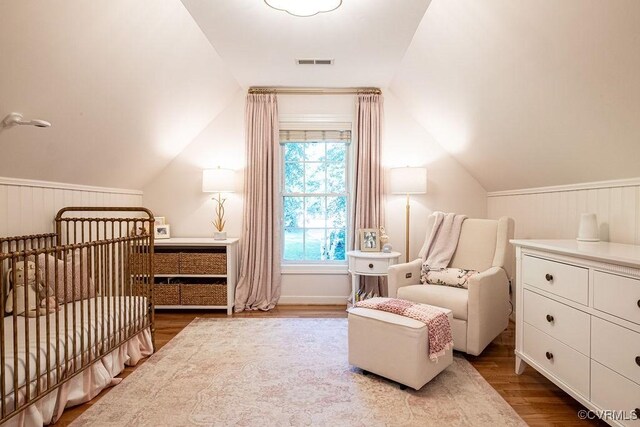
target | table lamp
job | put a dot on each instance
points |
(218, 181)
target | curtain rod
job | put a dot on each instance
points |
(316, 90)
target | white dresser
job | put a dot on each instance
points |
(578, 321)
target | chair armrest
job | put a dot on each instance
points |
(488, 308)
(492, 275)
(403, 275)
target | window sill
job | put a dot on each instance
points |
(335, 269)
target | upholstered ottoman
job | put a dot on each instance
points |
(393, 346)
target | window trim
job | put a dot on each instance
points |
(308, 123)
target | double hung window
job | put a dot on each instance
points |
(315, 196)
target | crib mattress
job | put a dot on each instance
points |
(91, 324)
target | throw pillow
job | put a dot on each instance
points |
(76, 267)
(456, 277)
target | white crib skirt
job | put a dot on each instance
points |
(85, 386)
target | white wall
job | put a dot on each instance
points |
(126, 85)
(554, 212)
(529, 93)
(29, 207)
(176, 191)
(450, 188)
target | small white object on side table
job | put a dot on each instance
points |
(369, 264)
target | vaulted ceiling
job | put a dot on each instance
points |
(366, 38)
(522, 93)
(126, 84)
(528, 93)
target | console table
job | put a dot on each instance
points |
(195, 273)
(578, 321)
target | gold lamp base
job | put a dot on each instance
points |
(220, 235)
(406, 227)
(219, 220)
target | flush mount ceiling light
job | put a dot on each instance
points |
(304, 8)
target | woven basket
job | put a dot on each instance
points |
(167, 263)
(164, 294)
(139, 290)
(203, 263)
(203, 294)
(137, 263)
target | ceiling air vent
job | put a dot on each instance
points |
(314, 61)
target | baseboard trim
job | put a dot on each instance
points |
(312, 300)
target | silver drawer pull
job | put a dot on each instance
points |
(549, 355)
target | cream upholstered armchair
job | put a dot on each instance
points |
(481, 312)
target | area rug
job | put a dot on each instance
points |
(285, 372)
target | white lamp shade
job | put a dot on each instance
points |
(408, 180)
(218, 180)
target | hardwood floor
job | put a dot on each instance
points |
(538, 401)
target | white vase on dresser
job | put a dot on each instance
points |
(578, 321)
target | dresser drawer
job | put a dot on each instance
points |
(564, 323)
(371, 266)
(614, 392)
(616, 347)
(617, 295)
(565, 280)
(565, 363)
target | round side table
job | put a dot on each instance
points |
(369, 264)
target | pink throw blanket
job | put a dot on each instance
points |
(437, 321)
(442, 240)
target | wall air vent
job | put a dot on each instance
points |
(314, 61)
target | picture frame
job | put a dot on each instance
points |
(160, 220)
(162, 231)
(369, 240)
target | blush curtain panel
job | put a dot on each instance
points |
(368, 205)
(258, 287)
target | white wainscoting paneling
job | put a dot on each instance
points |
(554, 212)
(29, 207)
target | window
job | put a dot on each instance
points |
(315, 196)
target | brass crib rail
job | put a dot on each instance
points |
(107, 301)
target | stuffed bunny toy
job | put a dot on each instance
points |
(43, 306)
